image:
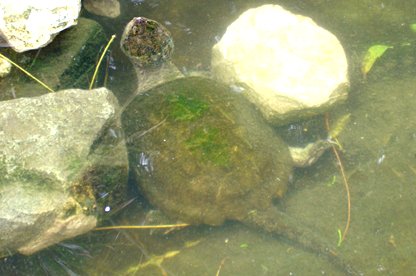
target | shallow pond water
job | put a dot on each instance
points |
(379, 158)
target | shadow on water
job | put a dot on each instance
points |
(380, 160)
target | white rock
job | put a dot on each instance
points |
(293, 67)
(29, 24)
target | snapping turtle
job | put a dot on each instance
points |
(203, 154)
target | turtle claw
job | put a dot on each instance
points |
(308, 155)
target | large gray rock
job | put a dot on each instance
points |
(293, 67)
(28, 24)
(62, 163)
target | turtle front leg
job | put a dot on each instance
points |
(306, 156)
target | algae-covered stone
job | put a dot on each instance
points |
(202, 153)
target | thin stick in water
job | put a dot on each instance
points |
(100, 60)
(27, 73)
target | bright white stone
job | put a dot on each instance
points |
(32, 24)
(293, 66)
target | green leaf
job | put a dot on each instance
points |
(332, 182)
(413, 27)
(244, 245)
(373, 53)
(339, 237)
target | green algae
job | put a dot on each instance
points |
(209, 145)
(183, 108)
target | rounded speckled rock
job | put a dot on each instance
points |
(146, 42)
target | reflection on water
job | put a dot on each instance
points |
(380, 160)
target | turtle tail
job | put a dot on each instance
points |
(277, 222)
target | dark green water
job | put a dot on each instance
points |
(379, 159)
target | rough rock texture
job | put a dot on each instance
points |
(31, 24)
(62, 161)
(293, 67)
(108, 8)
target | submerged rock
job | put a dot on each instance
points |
(28, 24)
(108, 8)
(62, 164)
(292, 67)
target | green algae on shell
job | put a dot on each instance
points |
(203, 154)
